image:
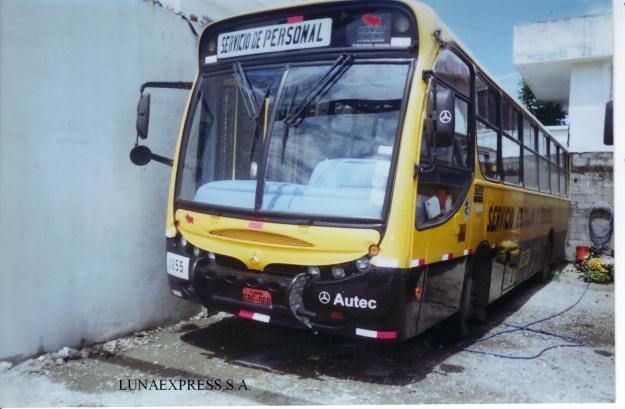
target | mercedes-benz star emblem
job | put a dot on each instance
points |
(445, 116)
(324, 297)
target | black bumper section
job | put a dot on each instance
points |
(376, 304)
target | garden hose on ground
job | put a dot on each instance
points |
(600, 226)
(572, 341)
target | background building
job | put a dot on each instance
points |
(569, 61)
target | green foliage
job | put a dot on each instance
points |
(548, 113)
(597, 269)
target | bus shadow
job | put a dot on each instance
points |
(300, 353)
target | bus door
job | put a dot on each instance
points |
(445, 176)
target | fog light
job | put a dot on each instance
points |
(374, 250)
(362, 264)
(338, 272)
(211, 256)
(183, 242)
(196, 252)
(314, 271)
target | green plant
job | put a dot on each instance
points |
(549, 113)
(597, 269)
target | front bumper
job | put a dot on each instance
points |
(376, 304)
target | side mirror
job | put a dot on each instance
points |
(143, 116)
(445, 120)
(140, 155)
(608, 125)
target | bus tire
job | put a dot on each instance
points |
(474, 298)
(462, 327)
(545, 272)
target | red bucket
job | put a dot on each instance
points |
(581, 252)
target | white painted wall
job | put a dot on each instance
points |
(579, 38)
(82, 253)
(560, 133)
(591, 84)
(218, 9)
(569, 61)
(544, 51)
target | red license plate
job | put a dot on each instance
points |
(256, 296)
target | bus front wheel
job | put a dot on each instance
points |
(464, 315)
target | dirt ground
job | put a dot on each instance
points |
(280, 366)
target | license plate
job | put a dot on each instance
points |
(178, 266)
(256, 296)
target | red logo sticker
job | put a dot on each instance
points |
(188, 218)
(294, 19)
(372, 20)
(255, 225)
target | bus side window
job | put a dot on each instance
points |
(487, 124)
(530, 158)
(543, 168)
(510, 146)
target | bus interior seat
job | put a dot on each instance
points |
(339, 187)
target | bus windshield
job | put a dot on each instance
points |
(323, 154)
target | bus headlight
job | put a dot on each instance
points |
(196, 251)
(211, 256)
(338, 272)
(362, 264)
(315, 272)
(183, 242)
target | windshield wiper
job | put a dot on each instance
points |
(326, 82)
(247, 92)
(285, 134)
(294, 116)
(251, 104)
(260, 121)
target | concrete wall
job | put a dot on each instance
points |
(569, 61)
(591, 88)
(544, 51)
(560, 133)
(578, 38)
(592, 180)
(82, 239)
(218, 9)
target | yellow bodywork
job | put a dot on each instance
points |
(402, 245)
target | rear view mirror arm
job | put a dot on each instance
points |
(162, 159)
(166, 84)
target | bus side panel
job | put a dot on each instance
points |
(443, 289)
(517, 225)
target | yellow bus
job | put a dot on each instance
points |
(348, 167)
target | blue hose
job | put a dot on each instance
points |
(600, 237)
(572, 341)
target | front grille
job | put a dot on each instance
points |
(204, 264)
(261, 237)
(285, 270)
